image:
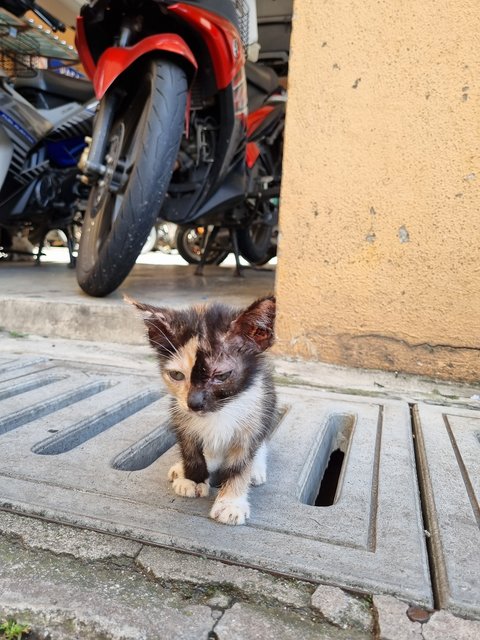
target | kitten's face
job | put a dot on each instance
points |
(209, 354)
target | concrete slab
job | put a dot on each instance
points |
(449, 451)
(27, 293)
(69, 583)
(100, 461)
(244, 621)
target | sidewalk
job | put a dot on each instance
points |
(93, 544)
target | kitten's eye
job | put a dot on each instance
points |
(176, 375)
(221, 377)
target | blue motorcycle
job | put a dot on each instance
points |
(44, 118)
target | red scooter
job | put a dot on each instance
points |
(179, 132)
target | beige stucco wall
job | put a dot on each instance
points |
(380, 211)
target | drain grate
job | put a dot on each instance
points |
(95, 450)
(450, 478)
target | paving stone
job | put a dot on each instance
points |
(76, 600)
(169, 566)
(80, 543)
(246, 622)
(449, 451)
(342, 609)
(393, 621)
(95, 449)
(445, 626)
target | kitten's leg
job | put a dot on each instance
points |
(231, 505)
(176, 471)
(259, 466)
(190, 476)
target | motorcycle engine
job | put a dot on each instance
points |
(45, 190)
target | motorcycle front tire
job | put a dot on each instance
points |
(145, 136)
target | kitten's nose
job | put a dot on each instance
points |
(196, 400)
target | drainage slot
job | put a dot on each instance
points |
(41, 409)
(322, 479)
(144, 452)
(90, 427)
(23, 387)
(331, 477)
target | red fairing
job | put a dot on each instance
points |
(253, 151)
(115, 60)
(256, 118)
(222, 39)
(83, 49)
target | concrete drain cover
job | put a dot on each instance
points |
(450, 456)
(93, 450)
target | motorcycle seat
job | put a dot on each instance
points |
(261, 83)
(263, 78)
(47, 81)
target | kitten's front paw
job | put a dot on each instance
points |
(202, 489)
(176, 471)
(259, 476)
(190, 489)
(230, 511)
(185, 488)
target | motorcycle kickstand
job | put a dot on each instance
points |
(68, 231)
(238, 267)
(41, 246)
(206, 250)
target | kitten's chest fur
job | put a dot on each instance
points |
(236, 424)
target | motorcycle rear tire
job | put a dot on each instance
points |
(255, 240)
(114, 231)
(191, 251)
(255, 244)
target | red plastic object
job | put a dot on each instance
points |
(253, 151)
(115, 60)
(256, 118)
(222, 39)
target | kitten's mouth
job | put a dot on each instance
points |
(201, 413)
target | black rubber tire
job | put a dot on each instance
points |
(112, 240)
(255, 241)
(216, 256)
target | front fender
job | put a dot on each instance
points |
(114, 60)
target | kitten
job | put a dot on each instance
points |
(223, 398)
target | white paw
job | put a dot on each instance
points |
(230, 511)
(185, 488)
(190, 489)
(176, 471)
(202, 489)
(259, 476)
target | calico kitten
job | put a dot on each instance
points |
(223, 398)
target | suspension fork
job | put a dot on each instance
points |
(91, 161)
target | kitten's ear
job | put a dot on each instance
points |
(255, 325)
(158, 324)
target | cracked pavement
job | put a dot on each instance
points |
(69, 584)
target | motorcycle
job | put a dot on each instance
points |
(175, 136)
(42, 128)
